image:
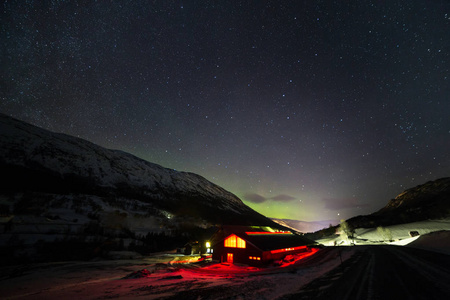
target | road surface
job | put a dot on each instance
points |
(383, 272)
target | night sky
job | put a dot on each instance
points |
(308, 110)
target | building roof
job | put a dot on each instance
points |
(263, 237)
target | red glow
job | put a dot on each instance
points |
(299, 256)
(267, 232)
(288, 249)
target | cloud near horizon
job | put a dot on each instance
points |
(342, 203)
(283, 198)
(256, 198)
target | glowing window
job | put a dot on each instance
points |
(240, 243)
(234, 241)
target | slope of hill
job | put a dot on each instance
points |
(59, 184)
(427, 201)
(424, 205)
(431, 199)
(303, 226)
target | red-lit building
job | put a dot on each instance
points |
(256, 245)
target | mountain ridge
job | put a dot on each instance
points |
(430, 200)
(424, 202)
(305, 226)
(35, 160)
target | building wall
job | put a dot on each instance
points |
(251, 255)
(240, 255)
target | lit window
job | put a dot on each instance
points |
(234, 241)
(240, 243)
(230, 241)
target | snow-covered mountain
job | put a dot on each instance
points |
(420, 210)
(427, 201)
(303, 226)
(69, 180)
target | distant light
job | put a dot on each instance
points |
(208, 245)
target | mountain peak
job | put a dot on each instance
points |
(35, 160)
(424, 194)
(430, 200)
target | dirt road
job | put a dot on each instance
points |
(383, 272)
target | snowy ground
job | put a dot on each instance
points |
(400, 235)
(351, 272)
(166, 278)
(332, 273)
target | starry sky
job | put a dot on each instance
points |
(307, 110)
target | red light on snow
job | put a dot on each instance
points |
(299, 256)
(288, 249)
(267, 232)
